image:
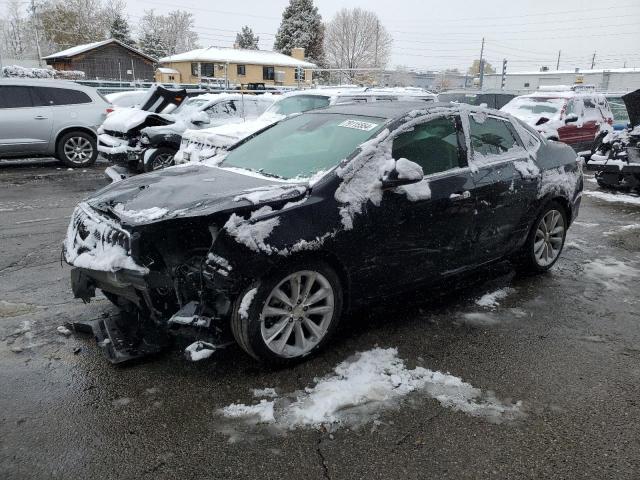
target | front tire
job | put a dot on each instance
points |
(545, 241)
(77, 149)
(162, 157)
(292, 313)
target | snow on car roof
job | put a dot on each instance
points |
(237, 55)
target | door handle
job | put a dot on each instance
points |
(460, 195)
(40, 117)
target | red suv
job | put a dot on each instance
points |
(572, 117)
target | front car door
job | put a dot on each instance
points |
(506, 182)
(26, 121)
(422, 231)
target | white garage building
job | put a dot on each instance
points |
(607, 80)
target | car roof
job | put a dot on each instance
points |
(396, 109)
(42, 82)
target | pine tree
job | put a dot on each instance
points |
(301, 27)
(120, 30)
(246, 39)
(152, 45)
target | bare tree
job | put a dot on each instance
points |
(17, 31)
(174, 30)
(354, 38)
(67, 23)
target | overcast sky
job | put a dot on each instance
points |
(437, 35)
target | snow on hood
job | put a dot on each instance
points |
(123, 120)
(364, 386)
(189, 191)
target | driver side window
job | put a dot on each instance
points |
(432, 145)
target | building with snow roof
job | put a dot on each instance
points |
(106, 60)
(236, 66)
(604, 80)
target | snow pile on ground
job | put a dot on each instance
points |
(614, 197)
(611, 273)
(27, 72)
(362, 387)
(94, 251)
(492, 299)
(265, 392)
(146, 215)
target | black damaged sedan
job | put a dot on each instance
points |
(319, 213)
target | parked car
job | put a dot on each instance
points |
(44, 118)
(200, 145)
(320, 212)
(572, 117)
(619, 110)
(497, 99)
(148, 140)
(127, 99)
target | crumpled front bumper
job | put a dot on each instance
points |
(118, 150)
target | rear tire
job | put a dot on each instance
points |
(545, 240)
(292, 315)
(161, 158)
(77, 149)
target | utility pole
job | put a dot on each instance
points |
(482, 64)
(35, 29)
(558, 62)
(504, 74)
(593, 60)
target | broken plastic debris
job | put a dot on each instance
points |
(199, 351)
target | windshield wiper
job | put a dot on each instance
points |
(267, 174)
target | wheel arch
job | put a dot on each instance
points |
(66, 130)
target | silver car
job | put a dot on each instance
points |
(50, 118)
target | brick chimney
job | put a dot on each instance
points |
(297, 53)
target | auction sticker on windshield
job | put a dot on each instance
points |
(358, 125)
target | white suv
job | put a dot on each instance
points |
(50, 118)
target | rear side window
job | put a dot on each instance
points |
(490, 135)
(62, 96)
(432, 145)
(15, 97)
(221, 110)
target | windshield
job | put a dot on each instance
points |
(298, 104)
(191, 105)
(304, 145)
(532, 106)
(619, 109)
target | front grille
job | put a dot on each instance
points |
(89, 231)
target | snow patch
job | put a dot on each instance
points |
(265, 392)
(252, 233)
(611, 273)
(140, 216)
(245, 304)
(614, 197)
(362, 387)
(492, 299)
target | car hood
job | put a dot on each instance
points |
(632, 102)
(127, 119)
(191, 191)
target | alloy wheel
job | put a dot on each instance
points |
(549, 238)
(78, 150)
(162, 160)
(297, 314)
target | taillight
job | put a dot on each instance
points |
(110, 109)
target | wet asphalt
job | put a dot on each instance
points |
(566, 344)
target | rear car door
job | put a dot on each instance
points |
(424, 230)
(26, 121)
(506, 182)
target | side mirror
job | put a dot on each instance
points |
(199, 118)
(571, 118)
(404, 172)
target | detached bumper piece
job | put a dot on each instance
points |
(124, 343)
